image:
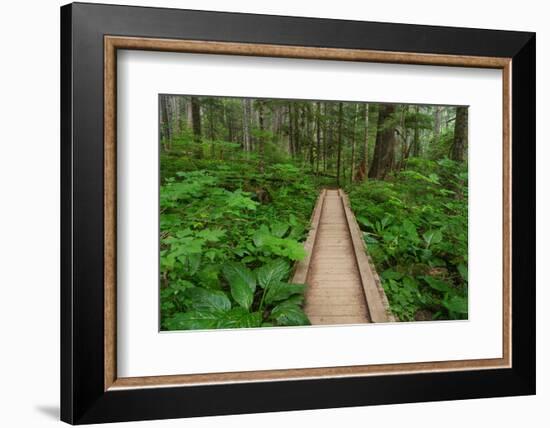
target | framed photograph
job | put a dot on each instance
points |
(266, 213)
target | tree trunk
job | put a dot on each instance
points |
(211, 120)
(352, 169)
(318, 128)
(291, 147)
(261, 142)
(327, 133)
(339, 150)
(310, 131)
(364, 163)
(181, 118)
(437, 123)
(166, 126)
(460, 140)
(276, 121)
(174, 108)
(404, 138)
(196, 111)
(227, 114)
(416, 135)
(384, 148)
(246, 125)
(296, 128)
(189, 111)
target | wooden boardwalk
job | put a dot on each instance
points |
(343, 287)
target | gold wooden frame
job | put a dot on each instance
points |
(112, 43)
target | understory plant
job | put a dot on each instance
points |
(229, 236)
(415, 226)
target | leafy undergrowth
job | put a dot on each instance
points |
(416, 229)
(229, 236)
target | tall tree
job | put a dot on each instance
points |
(211, 112)
(228, 119)
(364, 156)
(189, 114)
(261, 139)
(460, 140)
(196, 112)
(318, 130)
(291, 145)
(352, 162)
(339, 149)
(296, 128)
(166, 122)
(384, 148)
(437, 123)
(309, 131)
(415, 150)
(405, 146)
(247, 106)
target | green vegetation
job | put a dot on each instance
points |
(229, 236)
(239, 180)
(416, 230)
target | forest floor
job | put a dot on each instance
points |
(230, 234)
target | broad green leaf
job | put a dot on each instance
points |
(391, 274)
(289, 248)
(279, 229)
(297, 299)
(204, 299)
(434, 178)
(289, 314)
(432, 237)
(369, 238)
(193, 262)
(242, 294)
(181, 285)
(296, 232)
(410, 229)
(385, 221)
(185, 246)
(240, 318)
(208, 276)
(463, 271)
(364, 221)
(240, 200)
(456, 304)
(194, 320)
(242, 282)
(437, 237)
(411, 284)
(437, 284)
(281, 291)
(292, 220)
(272, 272)
(211, 235)
(260, 235)
(293, 250)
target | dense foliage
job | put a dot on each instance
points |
(416, 229)
(240, 177)
(229, 236)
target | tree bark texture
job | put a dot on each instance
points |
(460, 140)
(384, 148)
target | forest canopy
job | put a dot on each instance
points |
(239, 180)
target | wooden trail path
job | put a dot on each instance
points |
(343, 287)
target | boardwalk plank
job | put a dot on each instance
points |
(334, 299)
(342, 288)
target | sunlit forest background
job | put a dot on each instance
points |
(239, 180)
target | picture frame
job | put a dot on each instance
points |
(91, 391)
